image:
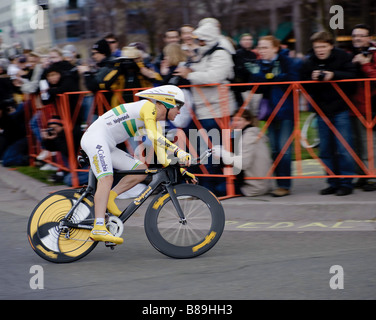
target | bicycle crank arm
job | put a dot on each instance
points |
(82, 225)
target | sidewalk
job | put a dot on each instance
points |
(304, 207)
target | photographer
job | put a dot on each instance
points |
(106, 74)
(327, 63)
(364, 52)
(138, 72)
(53, 139)
(13, 142)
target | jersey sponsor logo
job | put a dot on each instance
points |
(96, 164)
(101, 159)
(121, 119)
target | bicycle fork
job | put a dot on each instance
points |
(175, 202)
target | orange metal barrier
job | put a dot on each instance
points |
(101, 105)
(298, 87)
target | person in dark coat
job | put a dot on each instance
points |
(62, 77)
(13, 142)
(326, 63)
(108, 74)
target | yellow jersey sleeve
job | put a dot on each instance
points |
(148, 114)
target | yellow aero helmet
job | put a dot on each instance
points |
(171, 96)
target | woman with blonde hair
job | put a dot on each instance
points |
(175, 56)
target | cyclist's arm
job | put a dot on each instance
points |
(149, 116)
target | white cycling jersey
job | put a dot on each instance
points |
(116, 126)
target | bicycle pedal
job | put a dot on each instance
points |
(110, 245)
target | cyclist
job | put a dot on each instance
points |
(116, 126)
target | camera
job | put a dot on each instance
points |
(321, 75)
(125, 64)
(367, 51)
(50, 131)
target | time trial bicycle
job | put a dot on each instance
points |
(182, 221)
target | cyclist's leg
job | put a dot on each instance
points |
(100, 232)
(95, 144)
(124, 161)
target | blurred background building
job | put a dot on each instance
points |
(82, 22)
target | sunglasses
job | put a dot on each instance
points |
(179, 105)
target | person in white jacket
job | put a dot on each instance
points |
(213, 102)
(252, 156)
(215, 66)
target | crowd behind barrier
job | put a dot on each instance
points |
(258, 94)
(296, 89)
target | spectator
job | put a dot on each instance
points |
(137, 74)
(113, 42)
(54, 140)
(276, 67)
(31, 83)
(214, 66)
(244, 56)
(3, 49)
(13, 67)
(364, 51)
(174, 56)
(326, 63)
(253, 157)
(62, 77)
(170, 36)
(54, 55)
(16, 91)
(189, 45)
(71, 55)
(4, 63)
(24, 70)
(106, 76)
(146, 58)
(13, 142)
(223, 41)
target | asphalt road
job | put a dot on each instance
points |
(244, 265)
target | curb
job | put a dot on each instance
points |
(304, 204)
(31, 187)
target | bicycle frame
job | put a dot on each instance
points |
(166, 177)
